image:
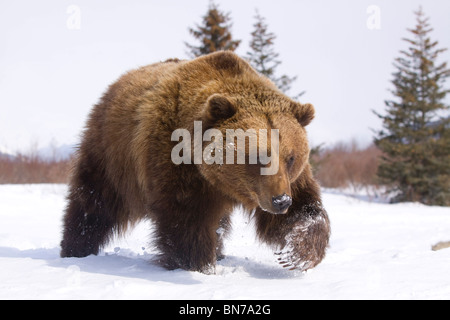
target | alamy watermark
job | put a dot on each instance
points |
(73, 21)
(73, 276)
(373, 21)
(233, 148)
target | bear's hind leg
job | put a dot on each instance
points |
(84, 232)
(91, 214)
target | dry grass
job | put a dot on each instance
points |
(346, 165)
(343, 165)
(33, 169)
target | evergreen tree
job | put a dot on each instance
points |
(415, 136)
(263, 56)
(214, 33)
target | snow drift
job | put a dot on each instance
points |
(377, 251)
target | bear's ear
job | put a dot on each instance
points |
(225, 61)
(304, 113)
(219, 108)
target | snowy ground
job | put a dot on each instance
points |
(377, 251)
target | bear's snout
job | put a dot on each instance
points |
(281, 203)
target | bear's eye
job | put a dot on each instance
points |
(290, 162)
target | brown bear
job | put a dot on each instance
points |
(125, 170)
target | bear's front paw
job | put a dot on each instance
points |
(306, 243)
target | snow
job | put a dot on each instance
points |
(377, 251)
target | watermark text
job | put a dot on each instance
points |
(232, 150)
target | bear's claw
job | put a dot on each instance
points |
(306, 244)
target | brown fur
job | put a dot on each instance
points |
(124, 171)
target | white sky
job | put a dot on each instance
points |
(51, 76)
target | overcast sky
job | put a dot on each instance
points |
(57, 57)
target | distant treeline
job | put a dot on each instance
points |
(346, 165)
(340, 166)
(31, 168)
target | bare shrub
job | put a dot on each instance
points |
(347, 165)
(343, 165)
(30, 168)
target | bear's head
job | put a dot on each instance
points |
(255, 146)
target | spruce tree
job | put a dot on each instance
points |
(415, 136)
(263, 56)
(214, 34)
